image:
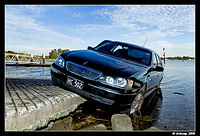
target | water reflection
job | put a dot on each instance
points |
(150, 102)
(27, 72)
(150, 111)
(44, 72)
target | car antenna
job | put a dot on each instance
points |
(145, 42)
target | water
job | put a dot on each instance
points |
(176, 109)
(28, 72)
(178, 90)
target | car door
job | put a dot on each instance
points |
(152, 75)
(159, 73)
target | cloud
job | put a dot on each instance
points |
(163, 16)
(137, 23)
(77, 15)
(31, 10)
(25, 30)
(105, 28)
(167, 44)
(31, 49)
(92, 28)
(164, 44)
(172, 49)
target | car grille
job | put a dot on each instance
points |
(82, 70)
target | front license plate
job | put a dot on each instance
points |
(74, 82)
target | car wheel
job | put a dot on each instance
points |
(138, 101)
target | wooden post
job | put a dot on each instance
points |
(43, 57)
(17, 58)
(164, 55)
(31, 59)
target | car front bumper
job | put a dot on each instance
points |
(92, 89)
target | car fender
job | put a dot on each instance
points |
(138, 83)
(141, 77)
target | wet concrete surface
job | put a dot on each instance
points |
(32, 103)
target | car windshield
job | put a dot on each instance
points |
(138, 55)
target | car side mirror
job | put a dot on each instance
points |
(90, 48)
(158, 68)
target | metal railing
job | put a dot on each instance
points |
(9, 57)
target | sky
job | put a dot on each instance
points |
(37, 29)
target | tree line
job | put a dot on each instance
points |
(178, 58)
(55, 53)
(12, 52)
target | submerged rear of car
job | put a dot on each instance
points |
(112, 73)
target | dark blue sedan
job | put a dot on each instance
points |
(113, 73)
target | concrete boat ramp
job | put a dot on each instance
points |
(33, 103)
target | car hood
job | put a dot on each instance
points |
(107, 64)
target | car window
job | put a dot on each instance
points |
(159, 61)
(127, 52)
(117, 48)
(155, 60)
(105, 48)
(139, 55)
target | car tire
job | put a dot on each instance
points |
(137, 102)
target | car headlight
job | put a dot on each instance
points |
(110, 80)
(60, 61)
(113, 81)
(121, 82)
